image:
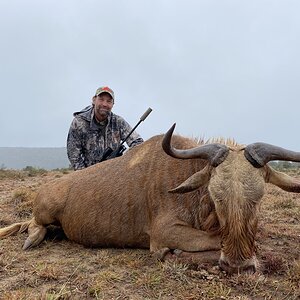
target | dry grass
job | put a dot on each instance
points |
(11, 174)
(293, 274)
(60, 269)
(23, 201)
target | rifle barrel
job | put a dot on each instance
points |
(143, 117)
(146, 114)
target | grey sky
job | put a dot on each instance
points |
(216, 68)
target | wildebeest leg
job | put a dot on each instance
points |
(36, 235)
(193, 240)
(205, 259)
(181, 236)
(161, 253)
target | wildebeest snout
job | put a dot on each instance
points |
(247, 266)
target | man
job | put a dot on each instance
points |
(95, 128)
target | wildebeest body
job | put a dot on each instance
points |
(131, 201)
(114, 203)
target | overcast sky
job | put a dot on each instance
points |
(227, 68)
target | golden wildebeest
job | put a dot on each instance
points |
(127, 201)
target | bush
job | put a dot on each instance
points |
(11, 174)
(32, 171)
(284, 165)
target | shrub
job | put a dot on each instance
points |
(32, 171)
(11, 174)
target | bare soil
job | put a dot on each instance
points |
(61, 269)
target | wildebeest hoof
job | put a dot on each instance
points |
(27, 244)
(161, 253)
(177, 252)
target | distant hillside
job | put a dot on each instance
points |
(46, 158)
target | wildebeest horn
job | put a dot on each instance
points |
(214, 153)
(258, 154)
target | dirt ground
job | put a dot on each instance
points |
(60, 269)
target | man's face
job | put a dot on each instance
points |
(103, 104)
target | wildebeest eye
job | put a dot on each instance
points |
(218, 199)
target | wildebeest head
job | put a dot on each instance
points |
(235, 178)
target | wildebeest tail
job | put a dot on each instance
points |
(14, 229)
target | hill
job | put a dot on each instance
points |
(46, 158)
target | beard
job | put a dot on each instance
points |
(103, 112)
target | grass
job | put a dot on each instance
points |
(23, 201)
(273, 264)
(11, 174)
(32, 171)
(60, 269)
(293, 273)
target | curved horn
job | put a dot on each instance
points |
(214, 153)
(258, 154)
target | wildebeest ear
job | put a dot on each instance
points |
(282, 180)
(193, 182)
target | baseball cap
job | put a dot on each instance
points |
(105, 89)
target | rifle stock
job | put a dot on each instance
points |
(110, 153)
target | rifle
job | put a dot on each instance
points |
(109, 153)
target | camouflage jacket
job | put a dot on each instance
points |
(87, 139)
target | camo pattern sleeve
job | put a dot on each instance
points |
(134, 139)
(74, 146)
